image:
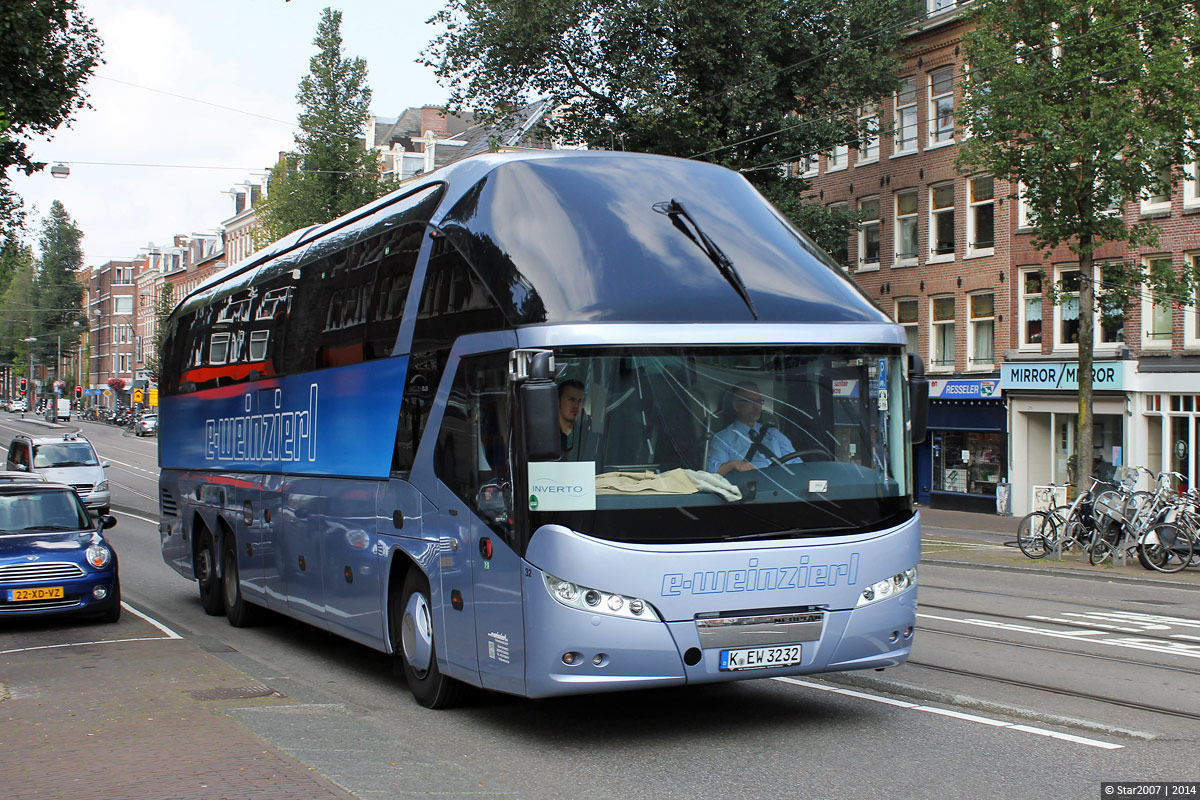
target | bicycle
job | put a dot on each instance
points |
(1060, 528)
(1170, 545)
(1125, 517)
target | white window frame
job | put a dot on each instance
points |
(938, 137)
(1191, 185)
(1148, 312)
(912, 329)
(1023, 313)
(122, 304)
(1157, 204)
(868, 152)
(1060, 319)
(1024, 213)
(904, 104)
(974, 325)
(837, 158)
(902, 221)
(938, 6)
(812, 165)
(864, 230)
(934, 213)
(1191, 313)
(935, 337)
(973, 208)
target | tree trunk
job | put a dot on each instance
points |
(1087, 336)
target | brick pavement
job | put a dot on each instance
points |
(118, 721)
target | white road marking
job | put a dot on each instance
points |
(169, 634)
(135, 516)
(944, 712)
(1131, 642)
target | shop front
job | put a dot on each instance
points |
(964, 460)
(1043, 410)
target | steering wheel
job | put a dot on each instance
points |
(807, 454)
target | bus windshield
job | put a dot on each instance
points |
(706, 444)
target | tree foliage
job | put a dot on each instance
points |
(162, 311)
(16, 310)
(330, 172)
(752, 85)
(48, 50)
(58, 292)
(1091, 107)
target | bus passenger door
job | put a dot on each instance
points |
(299, 549)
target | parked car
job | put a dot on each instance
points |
(14, 476)
(146, 425)
(53, 560)
(16, 404)
(68, 459)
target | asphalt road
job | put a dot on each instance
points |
(1020, 685)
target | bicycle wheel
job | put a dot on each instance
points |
(1031, 534)
(1104, 541)
(1166, 548)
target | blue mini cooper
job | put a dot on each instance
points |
(53, 559)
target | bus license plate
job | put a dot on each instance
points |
(44, 593)
(760, 657)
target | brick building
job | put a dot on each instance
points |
(950, 257)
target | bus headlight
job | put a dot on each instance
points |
(882, 590)
(596, 601)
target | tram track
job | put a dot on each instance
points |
(1174, 712)
(1083, 625)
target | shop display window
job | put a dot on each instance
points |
(968, 462)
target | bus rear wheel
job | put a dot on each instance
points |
(413, 640)
(239, 612)
(206, 574)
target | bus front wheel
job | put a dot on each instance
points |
(417, 648)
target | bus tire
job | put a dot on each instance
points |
(412, 611)
(240, 612)
(206, 574)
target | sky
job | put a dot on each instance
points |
(240, 62)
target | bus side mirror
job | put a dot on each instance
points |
(918, 398)
(539, 412)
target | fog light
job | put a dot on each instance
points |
(598, 659)
(568, 658)
(591, 597)
(99, 592)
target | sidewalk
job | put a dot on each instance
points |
(128, 712)
(989, 541)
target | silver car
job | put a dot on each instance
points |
(68, 459)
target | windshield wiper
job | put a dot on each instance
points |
(792, 533)
(675, 210)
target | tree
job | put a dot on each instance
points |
(753, 85)
(48, 50)
(59, 294)
(162, 311)
(331, 171)
(16, 310)
(1090, 106)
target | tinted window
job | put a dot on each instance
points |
(43, 511)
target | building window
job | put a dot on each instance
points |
(842, 254)
(1191, 314)
(940, 5)
(1110, 322)
(1024, 216)
(837, 157)
(1191, 185)
(906, 317)
(1157, 200)
(1156, 312)
(941, 334)
(812, 165)
(124, 363)
(868, 234)
(1068, 307)
(968, 462)
(868, 125)
(123, 304)
(981, 219)
(218, 348)
(941, 105)
(906, 117)
(982, 330)
(941, 222)
(906, 227)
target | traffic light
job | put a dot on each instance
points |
(78, 392)
(23, 385)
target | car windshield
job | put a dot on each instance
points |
(64, 454)
(42, 511)
(707, 444)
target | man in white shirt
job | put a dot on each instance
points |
(746, 444)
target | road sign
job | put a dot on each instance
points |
(154, 397)
(138, 395)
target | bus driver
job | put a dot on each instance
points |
(741, 445)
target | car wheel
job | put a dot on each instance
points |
(412, 619)
(112, 614)
(239, 612)
(206, 575)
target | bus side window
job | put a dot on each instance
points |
(471, 456)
